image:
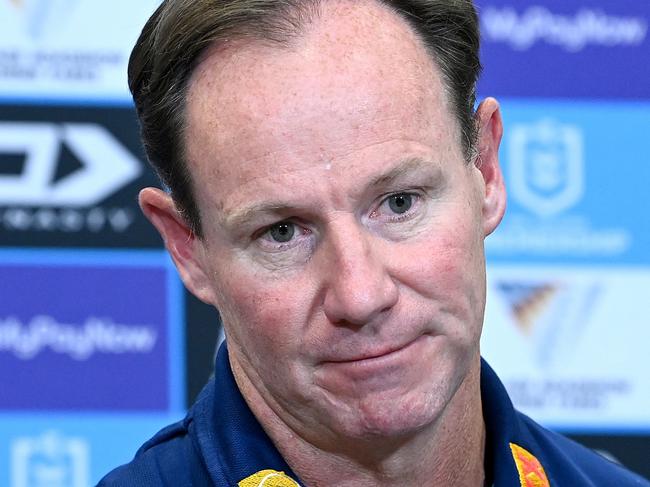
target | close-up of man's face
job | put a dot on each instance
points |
(264, 243)
(342, 233)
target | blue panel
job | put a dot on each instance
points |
(577, 176)
(70, 450)
(90, 331)
(560, 48)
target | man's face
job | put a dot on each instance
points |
(344, 231)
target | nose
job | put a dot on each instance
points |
(358, 284)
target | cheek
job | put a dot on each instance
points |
(264, 319)
(449, 272)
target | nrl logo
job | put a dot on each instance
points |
(50, 459)
(546, 166)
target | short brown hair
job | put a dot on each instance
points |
(179, 31)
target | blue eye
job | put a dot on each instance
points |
(400, 203)
(282, 232)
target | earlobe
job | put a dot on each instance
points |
(490, 130)
(180, 241)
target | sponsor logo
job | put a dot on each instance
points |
(51, 460)
(531, 472)
(38, 49)
(580, 394)
(67, 49)
(554, 318)
(71, 174)
(575, 335)
(106, 165)
(79, 342)
(68, 220)
(546, 176)
(551, 315)
(546, 166)
(63, 327)
(573, 33)
(268, 478)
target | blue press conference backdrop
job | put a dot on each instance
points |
(569, 273)
(93, 317)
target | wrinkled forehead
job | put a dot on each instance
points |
(356, 63)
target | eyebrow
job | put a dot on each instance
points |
(240, 216)
(408, 165)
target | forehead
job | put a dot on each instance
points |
(356, 75)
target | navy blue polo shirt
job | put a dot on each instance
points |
(221, 443)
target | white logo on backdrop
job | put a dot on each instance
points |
(68, 49)
(50, 460)
(107, 165)
(79, 342)
(571, 32)
(546, 170)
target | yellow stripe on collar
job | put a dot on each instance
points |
(531, 472)
(268, 478)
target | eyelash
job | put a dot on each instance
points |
(416, 198)
(264, 236)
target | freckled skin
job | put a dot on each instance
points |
(313, 124)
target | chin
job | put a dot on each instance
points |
(390, 417)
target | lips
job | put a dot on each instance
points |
(375, 370)
(373, 355)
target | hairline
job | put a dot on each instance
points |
(245, 38)
(276, 24)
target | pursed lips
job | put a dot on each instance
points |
(372, 355)
(374, 370)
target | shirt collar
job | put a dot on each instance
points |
(508, 444)
(233, 444)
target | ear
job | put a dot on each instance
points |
(182, 244)
(490, 130)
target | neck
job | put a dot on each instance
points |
(450, 451)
